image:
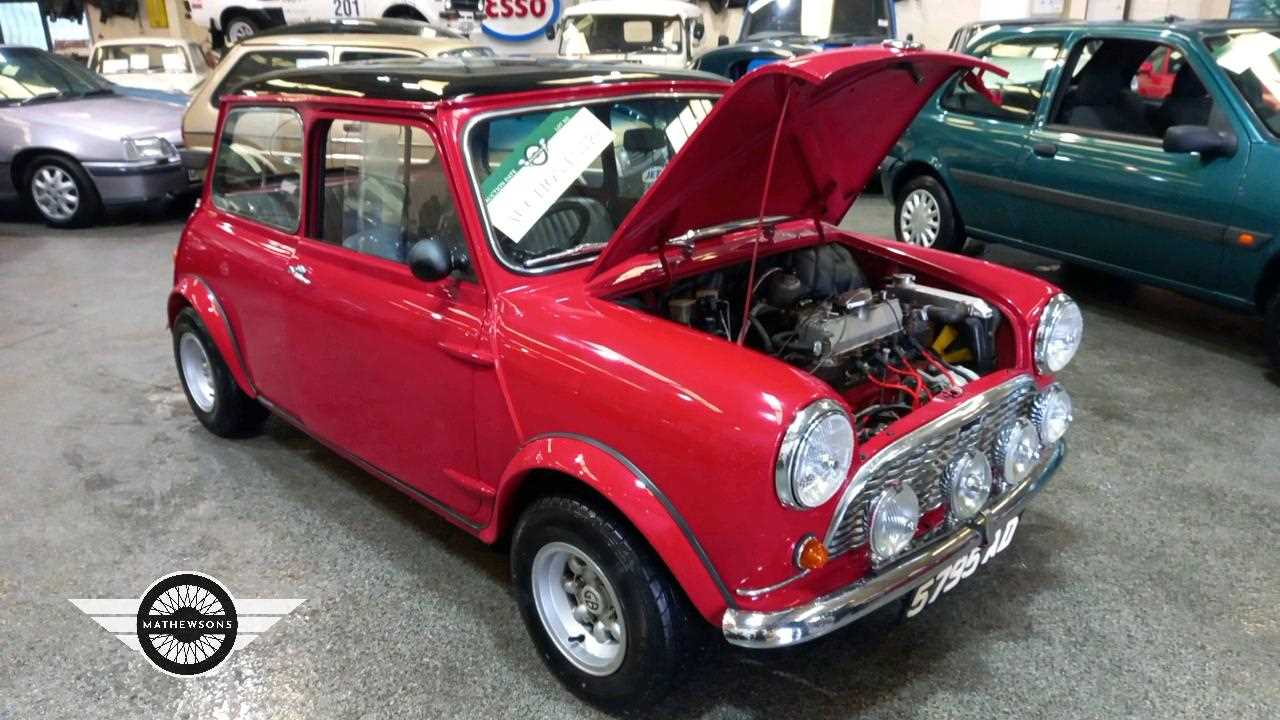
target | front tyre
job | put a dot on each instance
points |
(213, 394)
(606, 617)
(1271, 330)
(62, 192)
(925, 216)
(240, 26)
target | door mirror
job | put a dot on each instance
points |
(1199, 139)
(551, 31)
(430, 259)
(699, 31)
(722, 41)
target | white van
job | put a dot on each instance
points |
(650, 32)
(235, 20)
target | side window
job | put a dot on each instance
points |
(257, 62)
(384, 189)
(257, 172)
(1028, 63)
(197, 58)
(1133, 87)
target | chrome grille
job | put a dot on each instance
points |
(921, 457)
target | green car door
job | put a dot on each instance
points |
(1099, 185)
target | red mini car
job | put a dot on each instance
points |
(604, 312)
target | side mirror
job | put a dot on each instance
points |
(431, 260)
(722, 41)
(644, 140)
(699, 31)
(1199, 139)
(551, 32)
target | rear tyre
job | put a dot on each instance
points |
(1271, 330)
(239, 26)
(605, 615)
(213, 394)
(61, 192)
(925, 216)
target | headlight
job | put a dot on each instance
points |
(816, 454)
(895, 514)
(149, 148)
(968, 480)
(1051, 413)
(1017, 449)
(1058, 336)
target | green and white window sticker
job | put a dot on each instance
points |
(541, 167)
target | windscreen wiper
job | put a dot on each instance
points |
(38, 98)
(574, 252)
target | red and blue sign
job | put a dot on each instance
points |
(519, 20)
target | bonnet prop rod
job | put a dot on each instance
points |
(763, 234)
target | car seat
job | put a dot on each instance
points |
(1102, 101)
(556, 229)
(1188, 103)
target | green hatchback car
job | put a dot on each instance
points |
(1088, 151)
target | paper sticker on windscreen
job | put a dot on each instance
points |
(541, 167)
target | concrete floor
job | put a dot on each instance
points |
(1144, 583)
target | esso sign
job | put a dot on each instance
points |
(517, 20)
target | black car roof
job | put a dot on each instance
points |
(446, 78)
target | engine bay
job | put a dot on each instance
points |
(887, 343)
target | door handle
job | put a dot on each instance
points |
(1045, 149)
(299, 273)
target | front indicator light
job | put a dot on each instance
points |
(895, 515)
(968, 482)
(1017, 449)
(811, 554)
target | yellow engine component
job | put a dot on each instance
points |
(944, 340)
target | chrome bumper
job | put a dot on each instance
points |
(832, 612)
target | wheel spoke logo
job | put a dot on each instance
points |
(187, 623)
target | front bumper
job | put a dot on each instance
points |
(835, 610)
(127, 183)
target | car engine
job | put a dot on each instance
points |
(888, 345)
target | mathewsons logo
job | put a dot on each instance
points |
(519, 20)
(187, 623)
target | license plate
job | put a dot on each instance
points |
(959, 569)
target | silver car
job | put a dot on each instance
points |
(72, 146)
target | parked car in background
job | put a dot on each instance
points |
(774, 30)
(150, 63)
(230, 21)
(442, 271)
(1080, 162)
(648, 32)
(71, 146)
(969, 33)
(280, 50)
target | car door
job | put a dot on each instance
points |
(386, 363)
(979, 143)
(255, 190)
(1099, 183)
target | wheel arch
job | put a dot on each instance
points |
(911, 170)
(192, 292)
(23, 158)
(1269, 282)
(583, 467)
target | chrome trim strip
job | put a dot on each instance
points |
(955, 418)
(783, 628)
(475, 183)
(757, 592)
(676, 517)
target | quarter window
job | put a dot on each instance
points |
(257, 62)
(385, 189)
(258, 170)
(1028, 63)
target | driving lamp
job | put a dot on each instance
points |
(895, 515)
(1051, 413)
(1059, 333)
(149, 148)
(968, 482)
(1017, 449)
(816, 454)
